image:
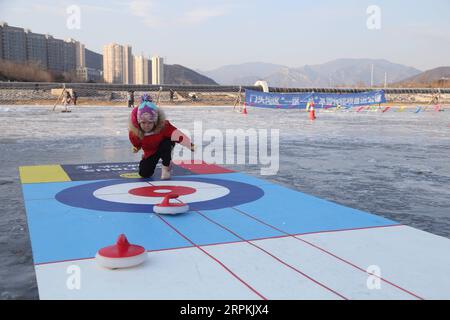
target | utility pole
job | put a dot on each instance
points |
(371, 77)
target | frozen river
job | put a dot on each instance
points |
(394, 164)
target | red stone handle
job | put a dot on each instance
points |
(165, 202)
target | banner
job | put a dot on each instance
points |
(321, 100)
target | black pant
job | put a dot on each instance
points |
(147, 166)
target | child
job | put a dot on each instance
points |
(150, 131)
(67, 98)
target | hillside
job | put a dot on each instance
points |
(180, 75)
(437, 77)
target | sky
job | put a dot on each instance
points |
(207, 34)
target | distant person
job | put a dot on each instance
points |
(149, 130)
(67, 99)
(130, 99)
(193, 96)
(171, 95)
(75, 97)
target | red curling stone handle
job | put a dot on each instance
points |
(165, 202)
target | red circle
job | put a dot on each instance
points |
(151, 191)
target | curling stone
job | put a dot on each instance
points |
(121, 255)
(167, 207)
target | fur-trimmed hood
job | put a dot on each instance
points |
(133, 125)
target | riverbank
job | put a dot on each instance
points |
(18, 96)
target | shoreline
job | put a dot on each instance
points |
(91, 103)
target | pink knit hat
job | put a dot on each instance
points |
(147, 111)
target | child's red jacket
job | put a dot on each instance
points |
(150, 143)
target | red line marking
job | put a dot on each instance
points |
(170, 249)
(337, 230)
(226, 242)
(62, 261)
(215, 259)
(361, 269)
(248, 241)
(273, 256)
(223, 243)
(331, 254)
(164, 249)
(212, 257)
(232, 242)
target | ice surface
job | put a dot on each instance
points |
(394, 164)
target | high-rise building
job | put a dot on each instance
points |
(21, 46)
(149, 71)
(80, 60)
(14, 43)
(55, 54)
(112, 63)
(80, 55)
(93, 60)
(36, 48)
(128, 65)
(69, 56)
(88, 74)
(141, 70)
(117, 64)
(62, 55)
(157, 70)
(1, 40)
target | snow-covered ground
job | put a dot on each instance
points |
(394, 164)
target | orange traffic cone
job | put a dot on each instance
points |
(312, 113)
(244, 111)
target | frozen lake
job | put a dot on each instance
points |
(394, 164)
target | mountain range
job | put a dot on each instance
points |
(340, 72)
(429, 76)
